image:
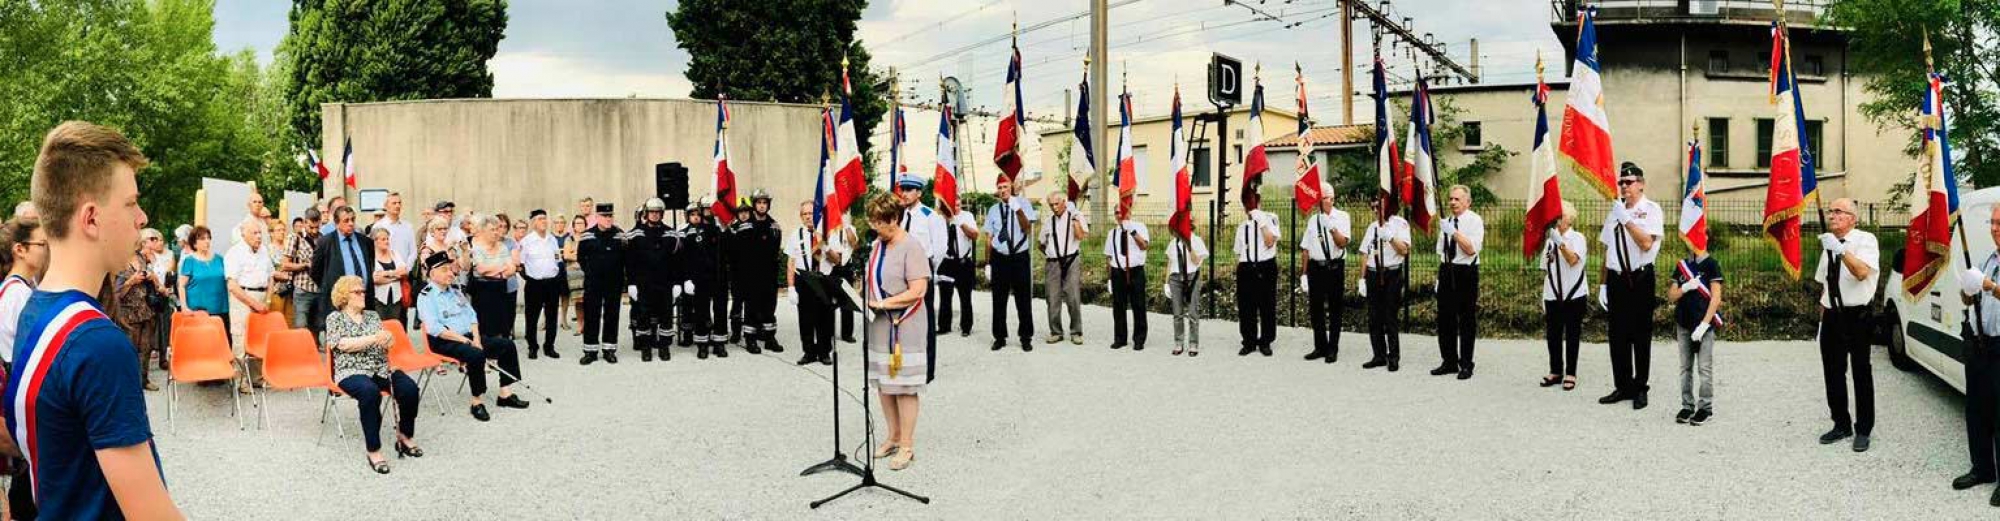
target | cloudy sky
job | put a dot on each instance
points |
(618, 48)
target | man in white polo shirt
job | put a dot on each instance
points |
(1631, 237)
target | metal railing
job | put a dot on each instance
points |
(1796, 11)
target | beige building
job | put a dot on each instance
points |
(518, 155)
(1151, 137)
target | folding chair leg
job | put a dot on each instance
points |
(236, 405)
(173, 395)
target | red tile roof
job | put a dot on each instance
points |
(1327, 136)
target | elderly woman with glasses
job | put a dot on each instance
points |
(897, 274)
(360, 350)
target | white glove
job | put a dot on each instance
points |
(1971, 281)
(1303, 288)
(1446, 226)
(632, 291)
(1108, 287)
(1618, 213)
(1604, 296)
(792, 296)
(1363, 287)
(1699, 331)
(1832, 244)
(1691, 285)
(677, 292)
(687, 288)
(1167, 286)
(988, 271)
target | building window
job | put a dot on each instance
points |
(1202, 166)
(1764, 61)
(1816, 141)
(1239, 154)
(1718, 142)
(1812, 65)
(1139, 165)
(1718, 61)
(1764, 126)
(1473, 139)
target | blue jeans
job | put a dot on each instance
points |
(367, 394)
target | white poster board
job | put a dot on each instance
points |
(225, 208)
(371, 200)
(296, 204)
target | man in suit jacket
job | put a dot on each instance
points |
(341, 253)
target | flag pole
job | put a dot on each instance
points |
(1958, 222)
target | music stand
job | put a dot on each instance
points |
(816, 286)
(868, 470)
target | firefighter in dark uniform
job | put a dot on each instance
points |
(649, 247)
(601, 253)
(706, 312)
(754, 273)
(729, 269)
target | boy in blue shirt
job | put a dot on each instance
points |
(72, 400)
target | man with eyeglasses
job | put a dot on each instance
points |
(1847, 273)
(341, 253)
(1631, 237)
(1982, 360)
(1008, 224)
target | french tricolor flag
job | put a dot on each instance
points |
(1544, 188)
(725, 179)
(1255, 162)
(1388, 159)
(1082, 159)
(347, 161)
(1007, 145)
(1305, 190)
(944, 182)
(1586, 130)
(849, 181)
(317, 166)
(1420, 171)
(1694, 203)
(827, 210)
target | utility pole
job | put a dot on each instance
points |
(1099, 70)
(1346, 62)
(1379, 16)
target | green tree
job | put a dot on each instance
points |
(1885, 48)
(385, 50)
(786, 51)
(149, 69)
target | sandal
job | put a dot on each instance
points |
(381, 467)
(1550, 380)
(1178, 350)
(887, 449)
(903, 459)
(1569, 383)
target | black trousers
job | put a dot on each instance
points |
(1257, 302)
(1326, 284)
(493, 304)
(600, 316)
(1843, 341)
(759, 301)
(1385, 300)
(542, 297)
(1632, 303)
(1128, 297)
(367, 394)
(652, 317)
(1011, 279)
(499, 350)
(1562, 323)
(1457, 314)
(1982, 403)
(705, 315)
(815, 323)
(960, 271)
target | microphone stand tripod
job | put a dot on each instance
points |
(868, 470)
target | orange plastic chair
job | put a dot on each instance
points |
(259, 327)
(403, 355)
(292, 362)
(200, 353)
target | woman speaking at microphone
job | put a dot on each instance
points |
(897, 275)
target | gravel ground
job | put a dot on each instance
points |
(1084, 432)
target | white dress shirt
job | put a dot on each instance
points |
(1649, 217)
(956, 229)
(1057, 239)
(928, 227)
(799, 248)
(1008, 236)
(251, 270)
(402, 240)
(1193, 266)
(1122, 248)
(1319, 245)
(1379, 237)
(538, 255)
(1474, 229)
(1249, 246)
(1570, 278)
(1853, 292)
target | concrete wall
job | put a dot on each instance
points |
(518, 155)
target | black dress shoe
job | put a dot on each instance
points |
(1138, 347)
(772, 346)
(826, 360)
(1027, 346)
(1639, 401)
(1315, 355)
(701, 352)
(1246, 351)
(1614, 397)
(1395, 365)
(645, 355)
(965, 334)
(1118, 345)
(721, 350)
(534, 352)
(551, 351)
(1995, 500)
(1264, 349)
(588, 358)
(847, 339)
(1331, 357)
(751, 346)
(666, 354)
(807, 359)
(479, 413)
(1442, 370)
(610, 356)
(1837, 434)
(1861, 443)
(1373, 363)
(1969, 480)
(998, 344)
(1465, 374)
(511, 402)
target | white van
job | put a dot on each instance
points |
(1928, 331)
